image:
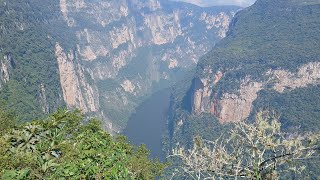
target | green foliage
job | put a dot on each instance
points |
(268, 35)
(30, 29)
(299, 108)
(64, 146)
(16, 175)
(7, 121)
(205, 126)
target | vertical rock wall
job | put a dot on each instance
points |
(77, 93)
(233, 107)
(5, 68)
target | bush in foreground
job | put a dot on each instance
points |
(64, 146)
(258, 150)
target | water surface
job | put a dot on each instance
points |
(147, 124)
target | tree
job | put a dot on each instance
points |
(258, 150)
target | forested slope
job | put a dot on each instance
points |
(29, 73)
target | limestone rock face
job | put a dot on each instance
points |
(77, 93)
(309, 74)
(237, 106)
(221, 21)
(127, 47)
(164, 28)
(128, 86)
(5, 68)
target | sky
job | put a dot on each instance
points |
(243, 3)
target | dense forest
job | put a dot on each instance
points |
(28, 33)
(269, 35)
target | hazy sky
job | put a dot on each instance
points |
(242, 3)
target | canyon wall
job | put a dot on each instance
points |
(237, 106)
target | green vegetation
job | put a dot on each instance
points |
(65, 146)
(28, 33)
(268, 35)
(6, 121)
(298, 109)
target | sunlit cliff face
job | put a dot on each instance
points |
(237, 106)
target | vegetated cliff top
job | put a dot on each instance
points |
(268, 35)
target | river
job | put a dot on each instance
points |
(147, 124)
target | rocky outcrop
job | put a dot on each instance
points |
(6, 65)
(308, 74)
(128, 86)
(43, 99)
(164, 28)
(118, 29)
(202, 98)
(263, 63)
(77, 93)
(234, 107)
(220, 21)
(121, 36)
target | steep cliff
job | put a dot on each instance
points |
(268, 60)
(237, 106)
(77, 93)
(129, 49)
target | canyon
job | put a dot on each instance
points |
(127, 50)
(235, 107)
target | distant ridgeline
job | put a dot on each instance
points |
(270, 59)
